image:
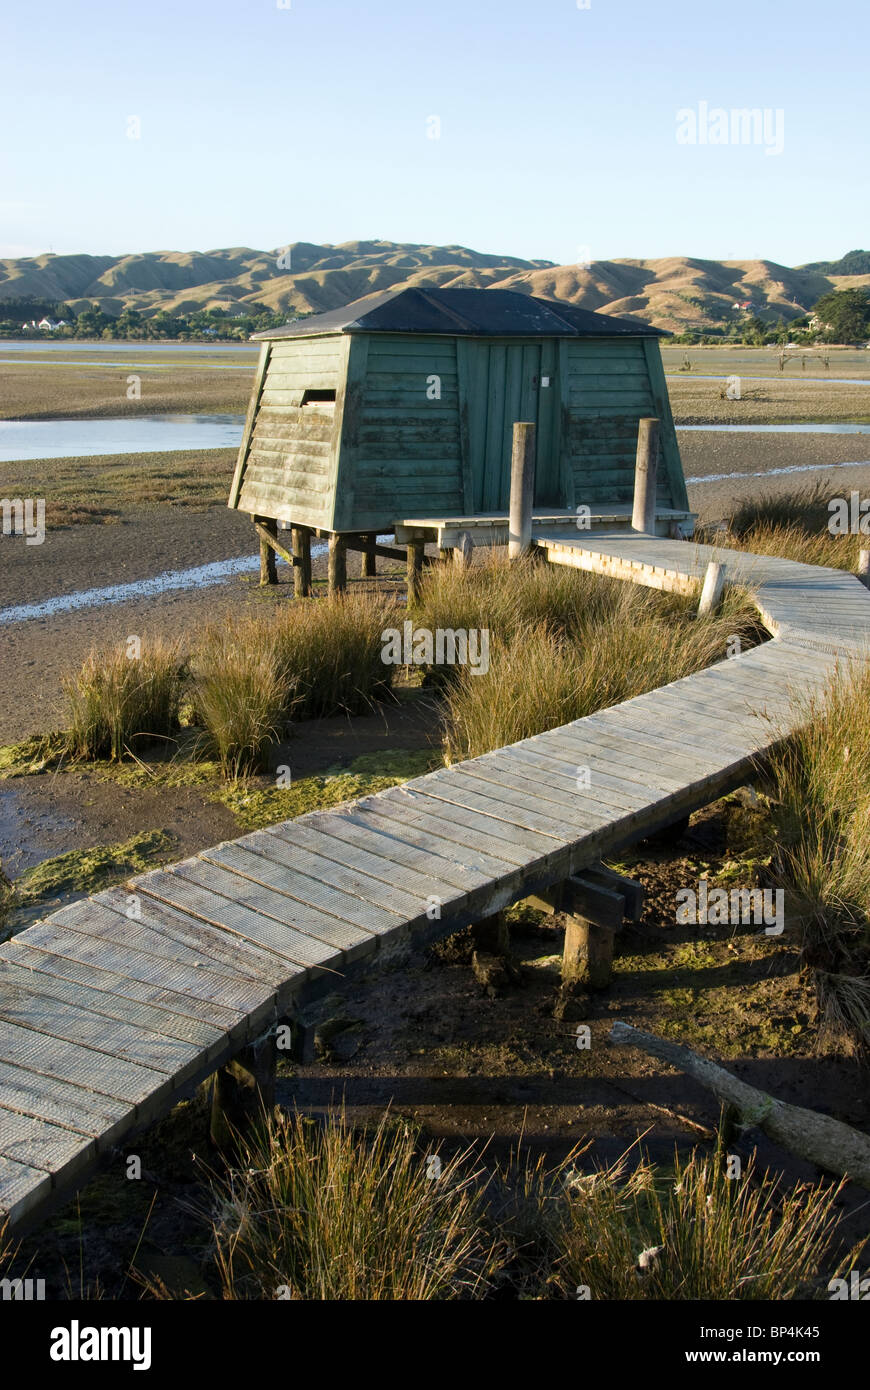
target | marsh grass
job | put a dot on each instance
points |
(821, 818)
(115, 703)
(563, 645)
(243, 694)
(793, 526)
(332, 648)
(634, 1230)
(334, 1213)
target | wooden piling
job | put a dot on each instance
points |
(711, 593)
(464, 551)
(268, 562)
(243, 1091)
(369, 557)
(337, 563)
(416, 550)
(587, 957)
(522, 498)
(864, 567)
(594, 911)
(301, 537)
(645, 472)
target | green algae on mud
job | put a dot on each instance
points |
(90, 870)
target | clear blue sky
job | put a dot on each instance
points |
(262, 126)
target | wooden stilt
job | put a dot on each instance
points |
(243, 1091)
(369, 557)
(268, 563)
(464, 551)
(415, 570)
(491, 960)
(587, 958)
(337, 563)
(594, 911)
(302, 554)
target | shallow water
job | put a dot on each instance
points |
(133, 434)
(127, 345)
(780, 429)
(201, 577)
(809, 380)
(776, 472)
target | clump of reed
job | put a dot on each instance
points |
(820, 809)
(632, 1233)
(337, 1212)
(331, 1213)
(243, 694)
(117, 700)
(597, 643)
(333, 650)
(794, 526)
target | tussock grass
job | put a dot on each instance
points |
(597, 643)
(332, 649)
(793, 526)
(243, 694)
(626, 1234)
(821, 817)
(114, 702)
(331, 1213)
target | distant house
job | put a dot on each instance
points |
(50, 324)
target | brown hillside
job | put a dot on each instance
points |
(674, 292)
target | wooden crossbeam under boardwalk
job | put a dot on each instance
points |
(113, 1008)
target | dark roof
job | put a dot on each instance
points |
(486, 313)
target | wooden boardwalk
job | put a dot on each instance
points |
(114, 1008)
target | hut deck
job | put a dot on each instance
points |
(113, 1008)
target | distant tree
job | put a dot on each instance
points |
(844, 315)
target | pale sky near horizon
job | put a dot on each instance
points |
(261, 125)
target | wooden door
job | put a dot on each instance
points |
(504, 382)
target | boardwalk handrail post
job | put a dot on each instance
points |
(714, 583)
(864, 567)
(522, 489)
(645, 472)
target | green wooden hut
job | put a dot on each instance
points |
(401, 405)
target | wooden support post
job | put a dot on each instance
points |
(243, 1091)
(337, 564)
(369, 557)
(464, 551)
(268, 563)
(645, 472)
(301, 536)
(594, 914)
(522, 498)
(711, 593)
(491, 961)
(587, 958)
(415, 570)
(864, 567)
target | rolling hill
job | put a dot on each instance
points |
(675, 292)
